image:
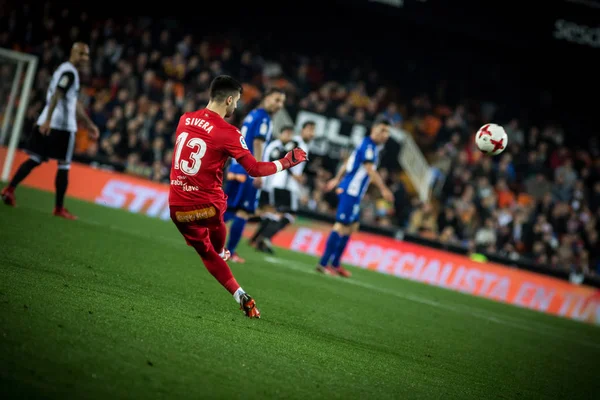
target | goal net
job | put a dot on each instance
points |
(17, 72)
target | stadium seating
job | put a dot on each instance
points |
(539, 198)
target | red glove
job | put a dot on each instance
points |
(293, 158)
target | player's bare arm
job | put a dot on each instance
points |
(378, 181)
(332, 183)
(301, 179)
(82, 116)
(258, 148)
(56, 97)
(258, 144)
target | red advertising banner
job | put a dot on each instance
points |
(453, 271)
(111, 189)
(368, 251)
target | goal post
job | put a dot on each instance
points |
(25, 66)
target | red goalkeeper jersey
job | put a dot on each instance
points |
(204, 143)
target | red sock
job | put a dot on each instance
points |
(220, 270)
(218, 236)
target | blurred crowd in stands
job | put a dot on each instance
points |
(539, 199)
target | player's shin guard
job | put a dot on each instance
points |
(61, 182)
(235, 233)
(24, 170)
(337, 256)
(219, 269)
(330, 248)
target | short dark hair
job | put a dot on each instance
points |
(308, 123)
(286, 128)
(382, 120)
(379, 121)
(272, 90)
(224, 86)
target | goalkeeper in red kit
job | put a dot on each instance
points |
(197, 202)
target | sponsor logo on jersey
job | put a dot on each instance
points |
(195, 215)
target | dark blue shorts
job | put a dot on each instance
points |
(241, 195)
(348, 209)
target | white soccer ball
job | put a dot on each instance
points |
(491, 139)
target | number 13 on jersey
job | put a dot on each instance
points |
(190, 165)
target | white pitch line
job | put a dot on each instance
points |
(517, 323)
(521, 324)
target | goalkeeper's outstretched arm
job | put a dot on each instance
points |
(265, 168)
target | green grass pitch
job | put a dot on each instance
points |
(115, 305)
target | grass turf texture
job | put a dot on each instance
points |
(115, 305)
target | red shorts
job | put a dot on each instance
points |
(195, 221)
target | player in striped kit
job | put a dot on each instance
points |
(352, 181)
(241, 189)
(54, 133)
(283, 189)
